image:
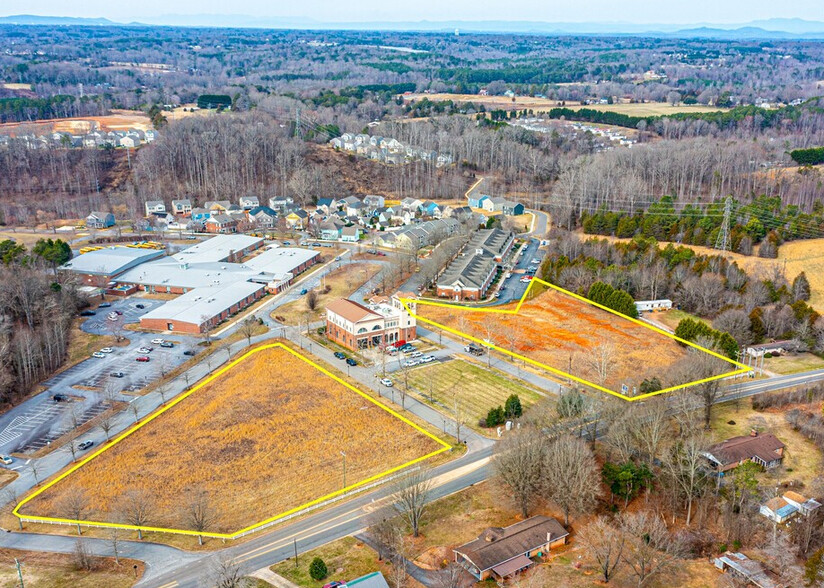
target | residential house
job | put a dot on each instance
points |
(280, 203)
(155, 206)
(375, 141)
(494, 243)
(431, 209)
(150, 135)
(467, 277)
(374, 201)
(411, 204)
(263, 216)
(773, 348)
(783, 508)
(373, 580)
(460, 213)
(324, 205)
(182, 207)
(476, 200)
(99, 220)
(400, 215)
(384, 322)
(200, 215)
(249, 202)
(423, 234)
(337, 143)
(743, 568)
(350, 234)
(356, 208)
(427, 155)
(489, 204)
(393, 145)
(129, 142)
(297, 219)
(221, 223)
(512, 208)
(765, 450)
(361, 139)
(443, 159)
(500, 553)
(330, 230)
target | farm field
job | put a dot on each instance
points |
(260, 437)
(118, 120)
(572, 336)
(476, 389)
(528, 102)
(342, 282)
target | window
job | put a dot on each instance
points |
(361, 330)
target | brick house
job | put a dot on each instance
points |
(384, 322)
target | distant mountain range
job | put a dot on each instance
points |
(775, 28)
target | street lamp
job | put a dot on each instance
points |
(343, 453)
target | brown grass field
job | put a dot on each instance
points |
(118, 120)
(261, 439)
(57, 570)
(556, 329)
(528, 102)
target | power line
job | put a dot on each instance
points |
(722, 242)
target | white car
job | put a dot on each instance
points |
(428, 359)
(157, 341)
(536, 261)
(411, 363)
(112, 317)
(145, 350)
(416, 354)
(387, 382)
(98, 355)
(6, 460)
(106, 350)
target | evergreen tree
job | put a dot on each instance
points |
(317, 569)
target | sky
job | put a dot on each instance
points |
(600, 11)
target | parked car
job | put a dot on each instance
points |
(474, 349)
(118, 312)
(416, 354)
(190, 352)
(304, 291)
(337, 258)
(98, 355)
(87, 313)
(167, 344)
(112, 317)
(146, 349)
(85, 444)
(351, 361)
(142, 358)
(104, 305)
(117, 374)
(140, 306)
(157, 341)
(60, 398)
(410, 363)
(340, 355)
(333, 584)
(287, 243)
(428, 359)
(6, 460)
(536, 261)
(387, 382)
(106, 350)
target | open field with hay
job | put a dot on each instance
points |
(572, 336)
(260, 438)
(528, 102)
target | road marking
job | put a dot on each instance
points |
(170, 584)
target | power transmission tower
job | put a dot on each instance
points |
(722, 242)
(297, 123)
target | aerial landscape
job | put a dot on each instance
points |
(403, 296)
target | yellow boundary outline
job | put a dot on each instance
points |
(36, 518)
(405, 301)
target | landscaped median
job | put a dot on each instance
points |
(270, 434)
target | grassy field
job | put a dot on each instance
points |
(671, 318)
(792, 364)
(802, 461)
(557, 330)
(528, 102)
(262, 438)
(342, 281)
(57, 570)
(476, 389)
(345, 558)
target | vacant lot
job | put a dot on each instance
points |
(57, 570)
(475, 388)
(567, 334)
(793, 364)
(341, 282)
(259, 439)
(119, 120)
(528, 102)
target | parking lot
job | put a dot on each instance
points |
(89, 384)
(513, 289)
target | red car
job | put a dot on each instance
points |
(142, 358)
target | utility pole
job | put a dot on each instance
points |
(19, 571)
(343, 453)
(722, 242)
(297, 123)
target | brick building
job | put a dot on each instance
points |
(385, 321)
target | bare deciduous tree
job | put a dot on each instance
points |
(602, 361)
(225, 573)
(684, 463)
(247, 328)
(200, 514)
(74, 504)
(411, 494)
(606, 545)
(650, 547)
(518, 465)
(135, 507)
(571, 477)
